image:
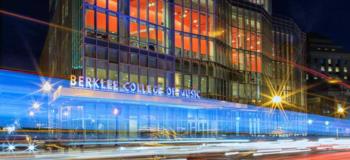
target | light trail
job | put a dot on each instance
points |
(37, 21)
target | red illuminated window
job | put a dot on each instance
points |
(259, 64)
(203, 25)
(152, 11)
(90, 19)
(234, 37)
(187, 42)
(187, 20)
(113, 5)
(101, 22)
(113, 24)
(195, 22)
(133, 8)
(92, 2)
(133, 29)
(253, 63)
(178, 40)
(234, 57)
(203, 46)
(195, 47)
(143, 10)
(258, 43)
(178, 18)
(101, 3)
(160, 12)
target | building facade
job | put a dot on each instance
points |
(228, 50)
(332, 63)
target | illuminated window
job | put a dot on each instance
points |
(330, 69)
(113, 5)
(134, 34)
(152, 34)
(204, 46)
(195, 47)
(133, 8)
(234, 37)
(160, 12)
(337, 69)
(90, 19)
(248, 62)
(187, 44)
(211, 6)
(101, 22)
(203, 24)
(161, 38)
(143, 9)
(152, 10)
(345, 69)
(178, 80)
(322, 68)
(234, 58)
(178, 18)
(143, 32)
(195, 22)
(258, 43)
(178, 43)
(92, 2)
(101, 3)
(259, 64)
(253, 63)
(187, 20)
(345, 77)
(113, 24)
(329, 61)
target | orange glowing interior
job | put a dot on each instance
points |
(203, 46)
(101, 21)
(89, 19)
(113, 5)
(90, 1)
(113, 24)
(101, 3)
(133, 29)
(259, 64)
(234, 57)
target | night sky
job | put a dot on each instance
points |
(22, 42)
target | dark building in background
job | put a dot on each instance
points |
(228, 50)
(328, 58)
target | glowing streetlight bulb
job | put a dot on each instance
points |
(31, 113)
(31, 148)
(115, 111)
(326, 123)
(310, 121)
(46, 87)
(340, 110)
(11, 147)
(277, 99)
(36, 105)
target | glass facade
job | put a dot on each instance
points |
(66, 113)
(225, 49)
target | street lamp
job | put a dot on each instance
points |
(36, 105)
(277, 99)
(340, 110)
(31, 113)
(46, 87)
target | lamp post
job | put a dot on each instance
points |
(276, 99)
